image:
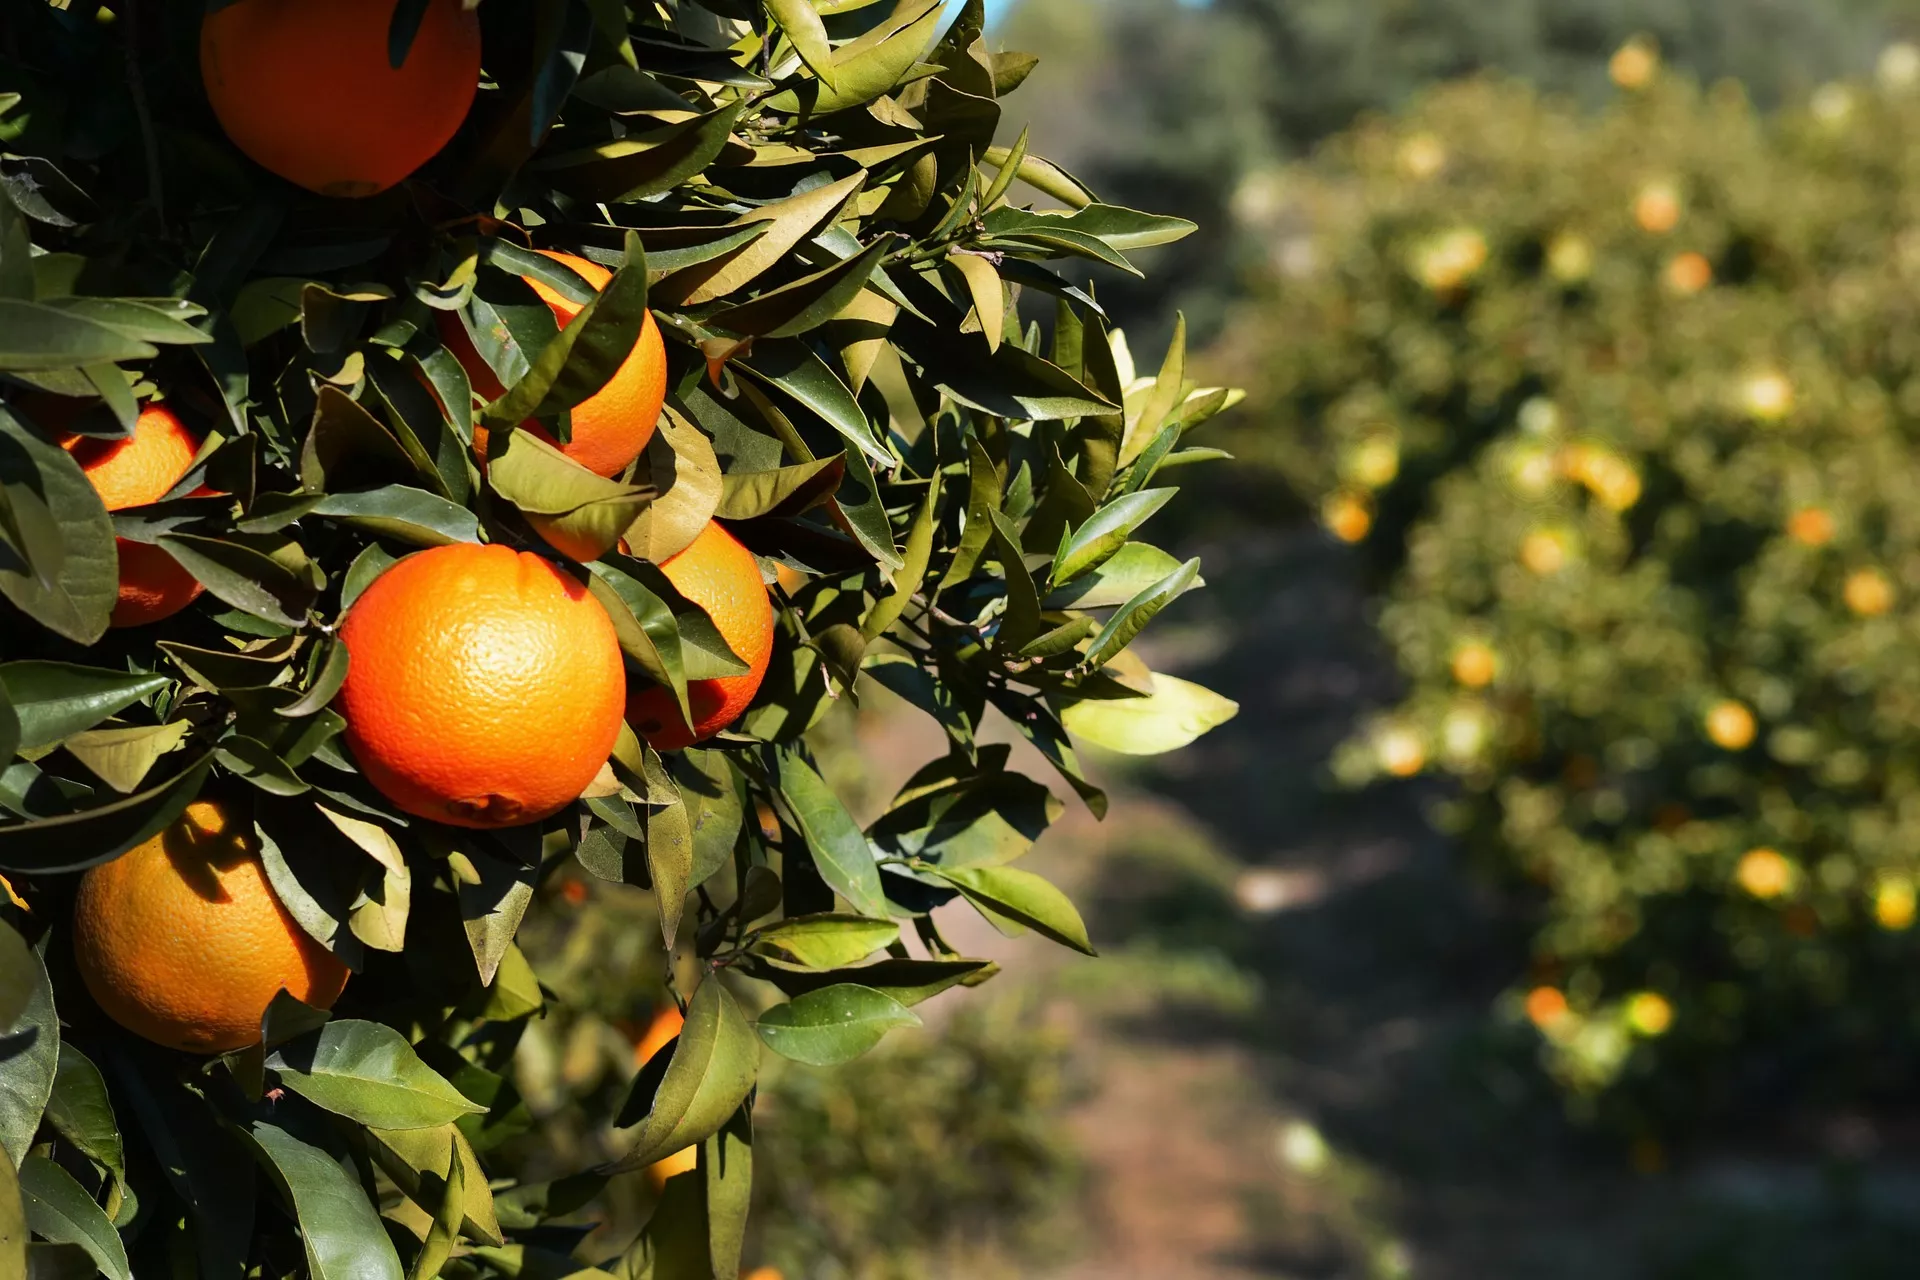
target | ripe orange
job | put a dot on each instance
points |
(722, 577)
(1657, 208)
(1730, 725)
(1689, 273)
(664, 1027)
(1475, 664)
(1810, 527)
(182, 940)
(131, 473)
(484, 686)
(1868, 593)
(306, 89)
(611, 426)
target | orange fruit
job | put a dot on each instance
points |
(1811, 527)
(664, 1027)
(181, 939)
(1546, 1006)
(1764, 873)
(611, 426)
(1475, 664)
(306, 90)
(1347, 517)
(131, 473)
(1868, 593)
(1657, 208)
(484, 686)
(1689, 273)
(722, 577)
(1730, 725)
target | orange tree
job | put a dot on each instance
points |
(1620, 409)
(441, 444)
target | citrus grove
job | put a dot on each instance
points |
(1618, 409)
(453, 453)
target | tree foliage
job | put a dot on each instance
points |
(809, 199)
(1621, 410)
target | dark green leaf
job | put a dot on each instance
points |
(833, 1025)
(60, 1210)
(368, 1073)
(825, 941)
(711, 1072)
(642, 164)
(840, 849)
(788, 491)
(408, 515)
(1021, 896)
(338, 1223)
(808, 302)
(54, 700)
(57, 558)
(80, 1111)
(793, 367)
(75, 841)
(1127, 622)
(1102, 536)
(246, 579)
(29, 1059)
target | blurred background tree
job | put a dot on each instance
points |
(1166, 103)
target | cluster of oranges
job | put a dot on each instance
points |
(486, 686)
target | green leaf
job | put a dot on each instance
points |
(870, 66)
(1174, 714)
(346, 447)
(787, 491)
(801, 21)
(246, 579)
(794, 368)
(18, 965)
(493, 908)
(642, 164)
(679, 463)
(706, 782)
(726, 1161)
(711, 1071)
(1128, 572)
(368, 1073)
(580, 513)
(1009, 383)
(36, 336)
(421, 1162)
(960, 813)
(81, 1112)
(908, 981)
(840, 849)
(912, 574)
(792, 222)
(13, 1220)
(405, 514)
(1020, 896)
(32, 1041)
(1103, 534)
(1169, 390)
(1043, 176)
(808, 302)
(62, 568)
(833, 1025)
(1127, 622)
(60, 1210)
(826, 941)
(339, 1226)
(983, 498)
(669, 844)
(123, 757)
(1020, 623)
(437, 1248)
(582, 357)
(75, 841)
(643, 623)
(1120, 228)
(988, 294)
(54, 700)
